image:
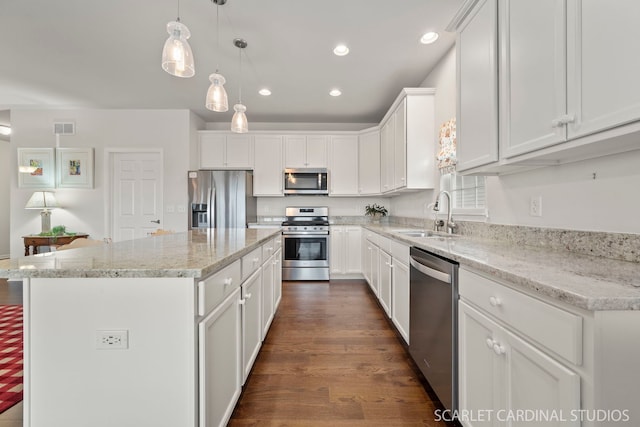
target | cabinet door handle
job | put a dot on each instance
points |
(495, 301)
(241, 302)
(563, 120)
(256, 260)
(490, 343)
(228, 281)
(498, 349)
(247, 296)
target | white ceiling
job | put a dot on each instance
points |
(106, 54)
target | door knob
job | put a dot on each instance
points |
(157, 221)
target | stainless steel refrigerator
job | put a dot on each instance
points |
(221, 199)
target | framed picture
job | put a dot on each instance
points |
(41, 162)
(75, 167)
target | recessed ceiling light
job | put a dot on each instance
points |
(5, 130)
(341, 50)
(335, 92)
(264, 92)
(429, 37)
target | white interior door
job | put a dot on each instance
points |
(136, 194)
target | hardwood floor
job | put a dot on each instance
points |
(332, 359)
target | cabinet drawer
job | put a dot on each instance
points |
(268, 249)
(554, 328)
(251, 262)
(400, 251)
(213, 289)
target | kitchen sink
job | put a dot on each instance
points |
(424, 233)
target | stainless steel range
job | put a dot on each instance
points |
(306, 243)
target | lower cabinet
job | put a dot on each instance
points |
(502, 373)
(277, 282)
(345, 251)
(268, 287)
(384, 292)
(400, 298)
(251, 321)
(220, 362)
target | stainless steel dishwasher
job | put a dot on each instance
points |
(433, 315)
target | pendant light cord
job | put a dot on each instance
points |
(178, 18)
(240, 89)
(217, 36)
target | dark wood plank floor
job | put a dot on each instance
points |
(332, 359)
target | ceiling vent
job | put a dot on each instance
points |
(64, 128)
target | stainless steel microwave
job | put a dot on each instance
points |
(306, 181)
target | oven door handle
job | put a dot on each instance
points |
(438, 275)
(308, 234)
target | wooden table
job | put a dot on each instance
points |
(36, 240)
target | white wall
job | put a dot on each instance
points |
(338, 206)
(571, 198)
(84, 210)
(443, 79)
(5, 198)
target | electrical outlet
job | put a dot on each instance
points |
(535, 206)
(112, 340)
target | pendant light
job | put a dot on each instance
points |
(239, 122)
(216, 95)
(177, 58)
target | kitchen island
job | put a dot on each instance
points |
(132, 333)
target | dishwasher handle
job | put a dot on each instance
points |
(431, 272)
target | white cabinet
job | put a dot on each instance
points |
(559, 103)
(532, 86)
(602, 70)
(305, 151)
(369, 163)
(277, 279)
(370, 253)
(400, 297)
(407, 142)
(516, 352)
(268, 171)
(477, 115)
(384, 292)
(251, 321)
(220, 362)
(343, 165)
(219, 150)
(345, 256)
(387, 148)
(501, 372)
(271, 281)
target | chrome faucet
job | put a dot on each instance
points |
(450, 225)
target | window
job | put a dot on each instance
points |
(468, 193)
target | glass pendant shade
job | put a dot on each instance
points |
(239, 122)
(177, 58)
(216, 95)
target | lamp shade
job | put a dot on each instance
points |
(42, 200)
(177, 58)
(216, 95)
(239, 122)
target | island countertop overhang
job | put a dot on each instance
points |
(195, 254)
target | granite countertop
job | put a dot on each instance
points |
(187, 254)
(588, 282)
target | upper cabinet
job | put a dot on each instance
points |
(220, 150)
(268, 176)
(533, 90)
(343, 165)
(407, 142)
(305, 151)
(369, 162)
(477, 115)
(566, 93)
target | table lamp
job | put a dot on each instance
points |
(44, 200)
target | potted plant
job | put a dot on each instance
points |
(375, 211)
